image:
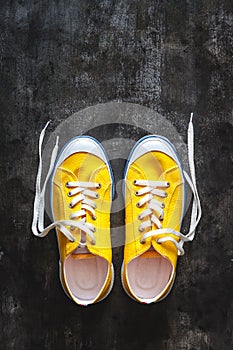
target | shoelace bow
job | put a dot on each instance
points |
(149, 189)
(79, 191)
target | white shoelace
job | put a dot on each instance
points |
(79, 191)
(154, 210)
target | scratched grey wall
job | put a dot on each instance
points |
(58, 57)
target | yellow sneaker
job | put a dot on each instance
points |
(154, 208)
(81, 196)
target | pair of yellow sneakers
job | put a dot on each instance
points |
(82, 189)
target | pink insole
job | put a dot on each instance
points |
(149, 274)
(85, 275)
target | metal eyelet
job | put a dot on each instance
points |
(96, 196)
(135, 182)
(162, 205)
(70, 205)
(93, 242)
(142, 241)
(165, 195)
(168, 184)
(139, 217)
(69, 194)
(141, 229)
(94, 217)
(67, 184)
(94, 229)
(161, 218)
(138, 205)
(99, 186)
(72, 228)
(136, 193)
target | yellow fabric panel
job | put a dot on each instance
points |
(153, 166)
(84, 167)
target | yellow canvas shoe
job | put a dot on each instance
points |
(154, 190)
(81, 197)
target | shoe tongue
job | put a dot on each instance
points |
(151, 253)
(82, 253)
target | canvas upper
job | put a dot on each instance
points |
(81, 197)
(154, 190)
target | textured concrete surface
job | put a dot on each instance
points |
(58, 57)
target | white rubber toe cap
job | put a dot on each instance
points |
(82, 144)
(150, 144)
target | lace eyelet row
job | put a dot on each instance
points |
(142, 241)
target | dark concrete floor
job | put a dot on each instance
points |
(58, 57)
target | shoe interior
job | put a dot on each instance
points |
(149, 274)
(85, 274)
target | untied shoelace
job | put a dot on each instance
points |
(80, 191)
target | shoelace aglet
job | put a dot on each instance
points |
(57, 141)
(45, 127)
